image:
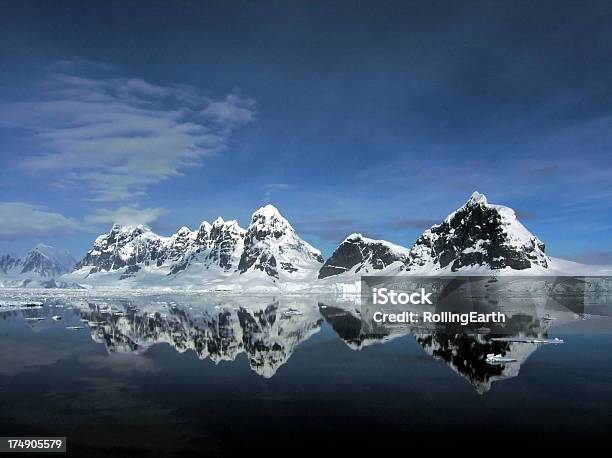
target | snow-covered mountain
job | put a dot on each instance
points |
(219, 245)
(40, 267)
(48, 261)
(478, 237)
(359, 255)
(131, 248)
(271, 245)
(124, 246)
(221, 255)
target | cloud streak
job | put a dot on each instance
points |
(271, 188)
(22, 220)
(126, 216)
(119, 136)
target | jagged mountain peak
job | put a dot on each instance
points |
(268, 220)
(478, 235)
(42, 247)
(130, 228)
(268, 210)
(204, 229)
(184, 231)
(477, 199)
(229, 223)
(47, 261)
(271, 245)
(362, 255)
(125, 233)
(38, 268)
(207, 228)
(63, 256)
(355, 236)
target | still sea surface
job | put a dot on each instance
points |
(179, 375)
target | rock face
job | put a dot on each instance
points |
(360, 255)
(272, 246)
(478, 234)
(124, 246)
(133, 247)
(219, 244)
(225, 243)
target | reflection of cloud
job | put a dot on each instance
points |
(118, 136)
(20, 219)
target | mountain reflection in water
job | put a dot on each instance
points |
(268, 330)
(184, 374)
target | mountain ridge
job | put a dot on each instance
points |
(478, 238)
(269, 250)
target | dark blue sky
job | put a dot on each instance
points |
(378, 117)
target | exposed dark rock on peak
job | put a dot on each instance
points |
(360, 254)
(478, 235)
(269, 245)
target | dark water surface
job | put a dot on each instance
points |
(148, 377)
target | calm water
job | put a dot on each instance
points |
(216, 375)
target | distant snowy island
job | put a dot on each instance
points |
(477, 239)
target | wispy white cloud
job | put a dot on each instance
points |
(126, 215)
(118, 136)
(22, 220)
(233, 110)
(271, 188)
